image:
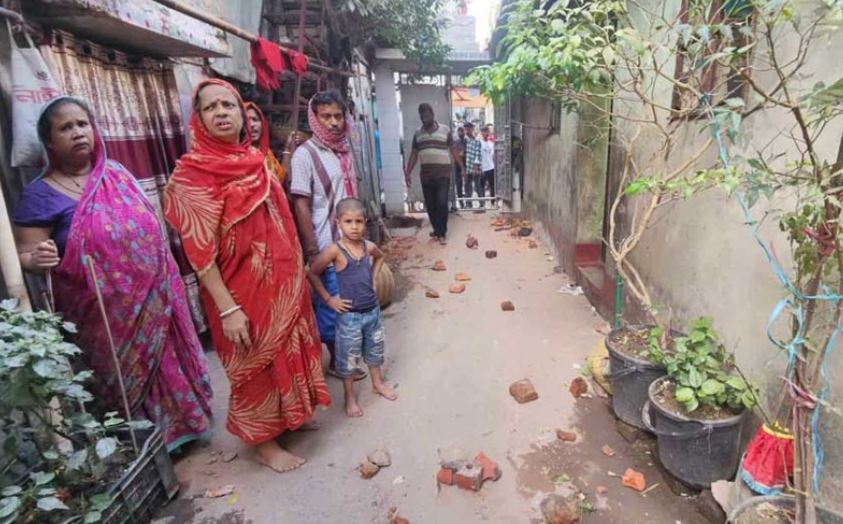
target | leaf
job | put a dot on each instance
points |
(8, 491)
(695, 379)
(736, 383)
(51, 504)
(748, 400)
(692, 405)
(92, 516)
(713, 387)
(40, 478)
(50, 454)
(106, 447)
(140, 424)
(100, 501)
(9, 506)
(70, 327)
(636, 187)
(77, 460)
(684, 394)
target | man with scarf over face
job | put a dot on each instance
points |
(322, 175)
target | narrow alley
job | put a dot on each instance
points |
(452, 360)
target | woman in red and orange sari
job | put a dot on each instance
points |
(258, 128)
(240, 237)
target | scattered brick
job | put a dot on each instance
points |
(490, 468)
(491, 253)
(507, 306)
(445, 476)
(431, 293)
(471, 242)
(533, 244)
(602, 490)
(462, 277)
(395, 518)
(367, 469)
(439, 265)
(566, 436)
(608, 451)
(634, 479)
(469, 477)
(380, 457)
(579, 387)
(456, 288)
(557, 509)
(523, 391)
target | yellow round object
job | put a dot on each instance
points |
(384, 285)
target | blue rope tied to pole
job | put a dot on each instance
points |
(792, 304)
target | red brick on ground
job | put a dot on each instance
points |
(579, 387)
(523, 391)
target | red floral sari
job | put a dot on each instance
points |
(231, 212)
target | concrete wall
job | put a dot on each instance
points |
(550, 176)
(390, 124)
(699, 258)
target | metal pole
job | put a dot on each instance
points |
(618, 303)
(297, 92)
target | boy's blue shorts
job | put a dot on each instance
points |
(326, 318)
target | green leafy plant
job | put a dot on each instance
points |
(57, 460)
(704, 373)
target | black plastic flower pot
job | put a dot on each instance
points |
(743, 513)
(697, 452)
(630, 378)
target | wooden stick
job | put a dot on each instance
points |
(114, 357)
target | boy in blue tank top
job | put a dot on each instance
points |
(359, 329)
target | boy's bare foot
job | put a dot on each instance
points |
(382, 390)
(273, 456)
(352, 408)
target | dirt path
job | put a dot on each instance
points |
(452, 360)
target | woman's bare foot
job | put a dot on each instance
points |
(382, 390)
(273, 456)
(352, 408)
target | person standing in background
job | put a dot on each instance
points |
(487, 163)
(434, 147)
(458, 177)
(473, 161)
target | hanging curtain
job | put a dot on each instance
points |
(135, 102)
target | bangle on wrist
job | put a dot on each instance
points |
(230, 311)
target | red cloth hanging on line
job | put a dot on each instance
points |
(298, 61)
(268, 61)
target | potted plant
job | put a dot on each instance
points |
(598, 59)
(58, 463)
(697, 410)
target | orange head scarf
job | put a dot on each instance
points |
(214, 186)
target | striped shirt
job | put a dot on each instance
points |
(434, 150)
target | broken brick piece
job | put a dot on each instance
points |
(490, 468)
(578, 387)
(566, 436)
(602, 490)
(456, 288)
(462, 277)
(431, 293)
(469, 477)
(608, 451)
(634, 479)
(471, 242)
(491, 253)
(445, 476)
(507, 306)
(367, 469)
(439, 265)
(533, 244)
(523, 391)
(557, 509)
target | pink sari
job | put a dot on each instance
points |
(161, 359)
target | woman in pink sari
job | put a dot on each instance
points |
(85, 205)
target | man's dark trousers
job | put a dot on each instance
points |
(436, 201)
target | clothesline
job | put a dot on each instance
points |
(238, 32)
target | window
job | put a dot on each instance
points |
(705, 29)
